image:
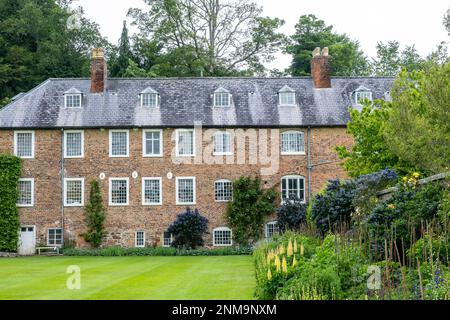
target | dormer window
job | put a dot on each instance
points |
(222, 98)
(362, 94)
(286, 96)
(72, 98)
(149, 98)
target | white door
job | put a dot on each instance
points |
(27, 241)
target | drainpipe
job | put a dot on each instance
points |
(62, 185)
(309, 167)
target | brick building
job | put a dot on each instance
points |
(159, 145)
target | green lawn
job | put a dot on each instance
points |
(223, 277)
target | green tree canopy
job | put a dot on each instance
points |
(311, 32)
(120, 64)
(418, 123)
(43, 39)
(213, 37)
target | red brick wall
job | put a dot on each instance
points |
(123, 222)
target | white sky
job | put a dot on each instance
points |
(410, 22)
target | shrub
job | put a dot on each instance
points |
(95, 216)
(334, 207)
(188, 229)
(246, 212)
(10, 168)
(291, 214)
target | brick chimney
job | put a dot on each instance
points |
(321, 68)
(98, 71)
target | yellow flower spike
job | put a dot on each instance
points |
(416, 175)
(295, 246)
(269, 275)
(290, 250)
(268, 258)
(284, 265)
(277, 264)
(281, 249)
(302, 249)
(294, 262)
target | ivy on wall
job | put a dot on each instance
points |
(10, 168)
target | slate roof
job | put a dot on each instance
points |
(186, 100)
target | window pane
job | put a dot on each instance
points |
(186, 142)
(292, 142)
(140, 238)
(152, 143)
(221, 99)
(287, 98)
(73, 100)
(149, 99)
(24, 144)
(223, 190)
(119, 143)
(24, 193)
(73, 144)
(271, 229)
(222, 237)
(119, 192)
(185, 190)
(167, 239)
(293, 187)
(152, 191)
(74, 192)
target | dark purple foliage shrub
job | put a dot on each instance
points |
(188, 229)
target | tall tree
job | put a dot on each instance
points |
(447, 21)
(42, 39)
(95, 216)
(311, 32)
(215, 37)
(387, 62)
(418, 124)
(120, 64)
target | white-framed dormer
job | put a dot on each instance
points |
(360, 94)
(24, 142)
(73, 144)
(222, 98)
(149, 98)
(286, 97)
(72, 98)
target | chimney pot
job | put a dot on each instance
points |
(321, 68)
(98, 71)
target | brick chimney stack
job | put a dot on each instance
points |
(321, 68)
(98, 71)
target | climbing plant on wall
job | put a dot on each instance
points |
(10, 168)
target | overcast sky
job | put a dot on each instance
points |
(417, 22)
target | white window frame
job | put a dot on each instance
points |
(364, 92)
(110, 192)
(293, 153)
(163, 238)
(160, 191)
(149, 93)
(82, 144)
(222, 229)
(178, 202)
(66, 95)
(221, 134)
(223, 181)
(48, 237)
(65, 192)
(298, 195)
(32, 193)
(136, 238)
(177, 133)
(287, 104)
(32, 144)
(266, 228)
(144, 143)
(222, 105)
(110, 143)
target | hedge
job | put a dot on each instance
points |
(156, 251)
(10, 169)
